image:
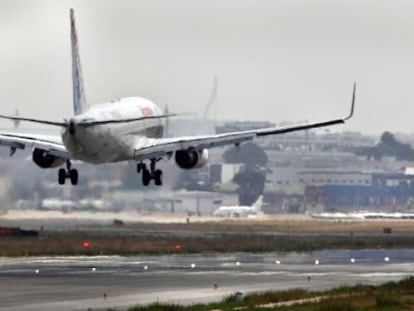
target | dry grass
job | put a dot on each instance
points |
(310, 225)
(293, 234)
(286, 224)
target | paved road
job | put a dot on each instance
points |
(79, 283)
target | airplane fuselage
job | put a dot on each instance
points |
(234, 211)
(116, 141)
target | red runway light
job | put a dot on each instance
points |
(177, 246)
(86, 244)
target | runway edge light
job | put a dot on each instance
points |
(86, 244)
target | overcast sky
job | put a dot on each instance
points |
(275, 60)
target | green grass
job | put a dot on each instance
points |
(392, 296)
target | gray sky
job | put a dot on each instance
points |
(275, 60)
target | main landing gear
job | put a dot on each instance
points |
(70, 173)
(151, 173)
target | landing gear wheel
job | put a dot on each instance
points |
(146, 177)
(62, 176)
(70, 173)
(140, 167)
(157, 177)
(73, 177)
(150, 173)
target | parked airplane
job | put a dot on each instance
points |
(240, 211)
(57, 205)
(123, 130)
(363, 215)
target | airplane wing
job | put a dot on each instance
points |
(155, 148)
(50, 143)
(158, 148)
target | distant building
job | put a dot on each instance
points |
(391, 191)
(235, 126)
(333, 177)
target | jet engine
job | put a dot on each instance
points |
(45, 160)
(188, 159)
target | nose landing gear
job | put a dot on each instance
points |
(70, 173)
(152, 173)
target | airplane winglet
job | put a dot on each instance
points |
(352, 105)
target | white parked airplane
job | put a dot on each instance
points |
(123, 130)
(363, 215)
(240, 211)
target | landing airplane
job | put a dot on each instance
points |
(123, 130)
(240, 211)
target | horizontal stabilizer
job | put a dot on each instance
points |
(86, 123)
(62, 124)
(103, 122)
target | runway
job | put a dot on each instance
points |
(82, 283)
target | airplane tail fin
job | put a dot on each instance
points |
(258, 204)
(79, 101)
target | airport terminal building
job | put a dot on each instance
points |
(342, 190)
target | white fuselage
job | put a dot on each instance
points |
(240, 211)
(234, 211)
(112, 142)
